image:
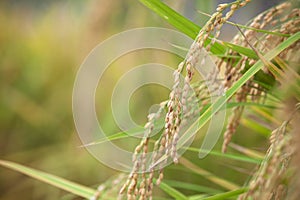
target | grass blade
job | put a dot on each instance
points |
(172, 17)
(172, 192)
(197, 196)
(56, 181)
(138, 131)
(242, 50)
(191, 187)
(225, 195)
(190, 28)
(229, 156)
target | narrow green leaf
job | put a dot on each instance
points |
(178, 21)
(172, 192)
(242, 50)
(138, 131)
(173, 17)
(56, 181)
(192, 187)
(226, 195)
(190, 28)
(197, 196)
(227, 155)
(259, 105)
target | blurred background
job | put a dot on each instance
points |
(42, 45)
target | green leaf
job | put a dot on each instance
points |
(133, 132)
(242, 50)
(190, 28)
(180, 22)
(225, 195)
(172, 17)
(172, 192)
(197, 196)
(192, 187)
(229, 156)
(260, 105)
(56, 181)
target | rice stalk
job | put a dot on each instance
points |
(137, 185)
(260, 43)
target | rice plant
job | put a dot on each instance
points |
(261, 85)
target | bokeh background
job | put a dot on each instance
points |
(42, 45)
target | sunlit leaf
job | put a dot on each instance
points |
(190, 28)
(172, 192)
(56, 181)
(192, 187)
(225, 195)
